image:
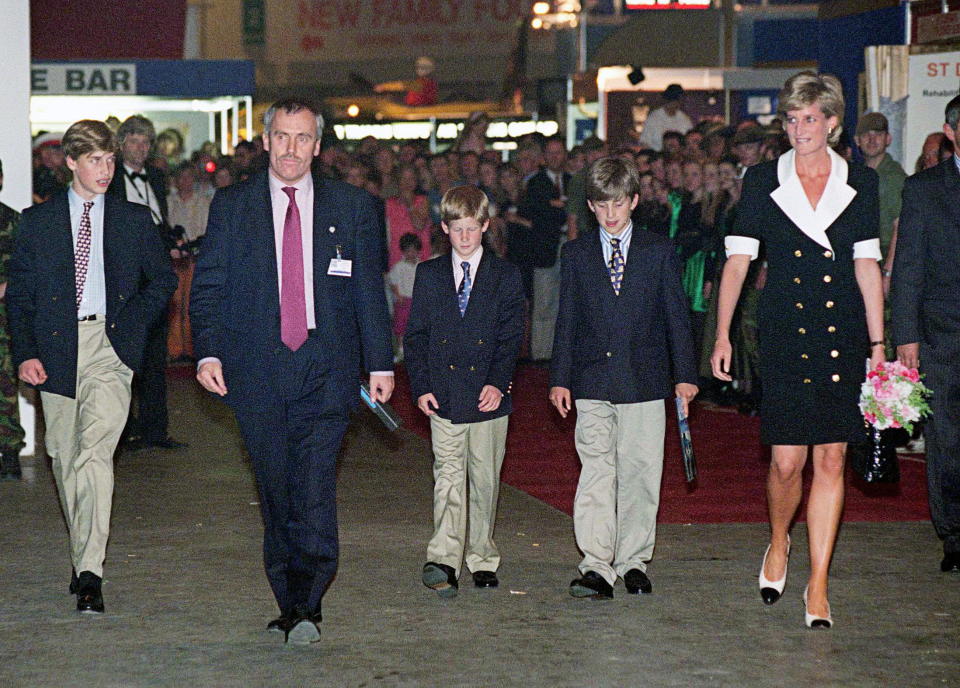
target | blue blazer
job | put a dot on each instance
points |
(235, 302)
(628, 348)
(454, 357)
(41, 294)
(925, 294)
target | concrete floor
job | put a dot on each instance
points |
(187, 600)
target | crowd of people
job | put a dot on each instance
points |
(731, 302)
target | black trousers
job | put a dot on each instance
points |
(942, 437)
(293, 444)
(150, 387)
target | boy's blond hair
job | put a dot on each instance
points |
(466, 201)
(86, 136)
(609, 179)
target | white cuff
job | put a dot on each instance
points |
(742, 246)
(208, 359)
(386, 373)
(868, 248)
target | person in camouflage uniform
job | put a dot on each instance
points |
(11, 433)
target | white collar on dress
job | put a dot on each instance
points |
(792, 199)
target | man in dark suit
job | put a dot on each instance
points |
(139, 183)
(622, 346)
(925, 303)
(87, 276)
(287, 294)
(545, 205)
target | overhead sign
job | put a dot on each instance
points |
(934, 80)
(83, 78)
(668, 4)
(319, 29)
(938, 27)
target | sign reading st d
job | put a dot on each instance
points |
(83, 79)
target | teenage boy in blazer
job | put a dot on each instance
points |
(461, 346)
(622, 346)
(87, 277)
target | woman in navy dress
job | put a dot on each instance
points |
(820, 318)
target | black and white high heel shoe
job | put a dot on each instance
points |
(770, 590)
(813, 621)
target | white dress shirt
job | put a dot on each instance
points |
(659, 123)
(624, 237)
(141, 192)
(474, 262)
(94, 301)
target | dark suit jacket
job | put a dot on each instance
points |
(118, 185)
(41, 295)
(628, 348)
(548, 222)
(925, 291)
(235, 303)
(454, 357)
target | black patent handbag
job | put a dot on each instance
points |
(875, 458)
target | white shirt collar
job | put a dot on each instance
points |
(792, 199)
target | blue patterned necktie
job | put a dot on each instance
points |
(616, 265)
(463, 293)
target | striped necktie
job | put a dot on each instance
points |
(616, 265)
(463, 293)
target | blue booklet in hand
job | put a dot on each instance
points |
(686, 443)
(384, 412)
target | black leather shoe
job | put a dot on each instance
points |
(591, 585)
(89, 596)
(485, 579)
(303, 627)
(10, 466)
(167, 443)
(950, 563)
(279, 625)
(441, 578)
(636, 582)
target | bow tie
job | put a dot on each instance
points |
(137, 175)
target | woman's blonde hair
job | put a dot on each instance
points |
(806, 88)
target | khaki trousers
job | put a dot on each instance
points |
(465, 452)
(618, 495)
(81, 436)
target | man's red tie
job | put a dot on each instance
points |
(293, 304)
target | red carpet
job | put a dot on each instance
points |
(731, 462)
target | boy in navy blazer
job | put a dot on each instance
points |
(622, 346)
(87, 276)
(461, 347)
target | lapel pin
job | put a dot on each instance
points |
(332, 229)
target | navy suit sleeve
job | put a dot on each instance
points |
(369, 296)
(207, 294)
(509, 329)
(561, 363)
(679, 334)
(20, 297)
(907, 285)
(416, 340)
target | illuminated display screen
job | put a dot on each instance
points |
(668, 4)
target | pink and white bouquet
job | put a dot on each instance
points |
(893, 396)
